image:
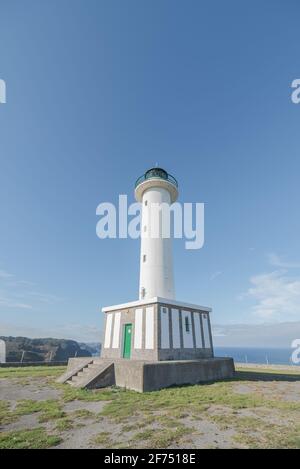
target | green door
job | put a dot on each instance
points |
(127, 340)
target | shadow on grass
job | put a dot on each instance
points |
(265, 376)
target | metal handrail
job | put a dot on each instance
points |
(144, 177)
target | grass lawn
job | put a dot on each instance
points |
(31, 371)
(258, 409)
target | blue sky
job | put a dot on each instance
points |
(98, 92)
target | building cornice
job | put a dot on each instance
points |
(157, 299)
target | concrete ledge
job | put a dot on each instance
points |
(166, 374)
(156, 299)
(145, 376)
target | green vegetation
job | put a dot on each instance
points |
(270, 437)
(192, 399)
(259, 416)
(165, 437)
(270, 371)
(28, 439)
(82, 413)
(6, 416)
(160, 437)
(73, 394)
(64, 424)
(103, 438)
(40, 350)
(50, 409)
(32, 371)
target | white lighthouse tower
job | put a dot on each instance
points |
(155, 189)
(155, 341)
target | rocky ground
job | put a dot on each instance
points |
(260, 408)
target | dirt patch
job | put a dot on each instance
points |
(23, 422)
(94, 407)
(84, 436)
(285, 391)
(206, 434)
(12, 390)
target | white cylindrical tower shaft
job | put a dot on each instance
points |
(155, 190)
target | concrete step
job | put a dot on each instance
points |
(73, 371)
(76, 379)
(100, 375)
(93, 366)
(70, 382)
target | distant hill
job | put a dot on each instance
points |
(93, 347)
(36, 350)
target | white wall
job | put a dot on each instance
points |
(113, 329)
(175, 328)
(138, 328)
(156, 272)
(149, 334)
(108, 329)
(2, 351)
(198, 335)
(164, 328)
(187, 335)
(206, 334)
(116, 334)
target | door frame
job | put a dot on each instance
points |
(124, 340)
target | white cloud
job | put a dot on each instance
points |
(13, 303)
(44, 297)
(4, 274)
(277, 295)
(276, 261)
(215, 275)
(19, 294)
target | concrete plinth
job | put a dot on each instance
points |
(151, 376)
(143, 376)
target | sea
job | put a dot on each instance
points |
(269, 356)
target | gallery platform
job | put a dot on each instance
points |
(143, 376)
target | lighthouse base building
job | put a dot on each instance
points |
(157, 330)
(157, 341)
(152, 344)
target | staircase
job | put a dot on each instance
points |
(94, 373)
